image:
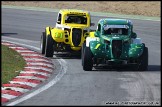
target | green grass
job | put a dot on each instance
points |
(12, 63)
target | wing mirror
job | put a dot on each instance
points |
(134, 35)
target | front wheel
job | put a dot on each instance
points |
(82, 51)
(43, 42)
(143, 60)
(87, 59)
(49, 46)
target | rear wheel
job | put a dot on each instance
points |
(49, 46)
(87, 59)
(43, 43)
(143, 61)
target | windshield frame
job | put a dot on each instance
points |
(84, 18)
(109, 27)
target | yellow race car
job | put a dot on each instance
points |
(68, 35)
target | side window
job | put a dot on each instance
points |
(59, 19)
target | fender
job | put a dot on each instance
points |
(92, 34)
(136, 50)
(58, 35)
(89, 34)
(48, 31)
(88, 39)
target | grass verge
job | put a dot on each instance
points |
(12, 63)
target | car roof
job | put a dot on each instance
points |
(73, 11)
(115, 21)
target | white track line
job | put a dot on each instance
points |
(36, 59)
(21, 44)
(43, 64)
(32, 54)
(24, 51)
(31, 77)
(46, 69)
(8, 96)
(24, 83)
(18, 47)
(8, 44)
(22, 90)
(35, 72)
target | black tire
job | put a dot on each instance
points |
(82, 51)
(87, 59)
(43, 43)
(49, 50)
(143, 61)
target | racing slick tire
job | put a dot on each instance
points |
(43, 43)
(87, 59)
(143, 60)
(82, 51)
(49, 46)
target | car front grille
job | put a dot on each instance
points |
(117, 48)
(76, 36)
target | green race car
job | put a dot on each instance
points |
(114, 44)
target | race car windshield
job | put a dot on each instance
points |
(118, 30)
(76, 19)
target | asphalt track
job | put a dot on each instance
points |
(79, 87)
